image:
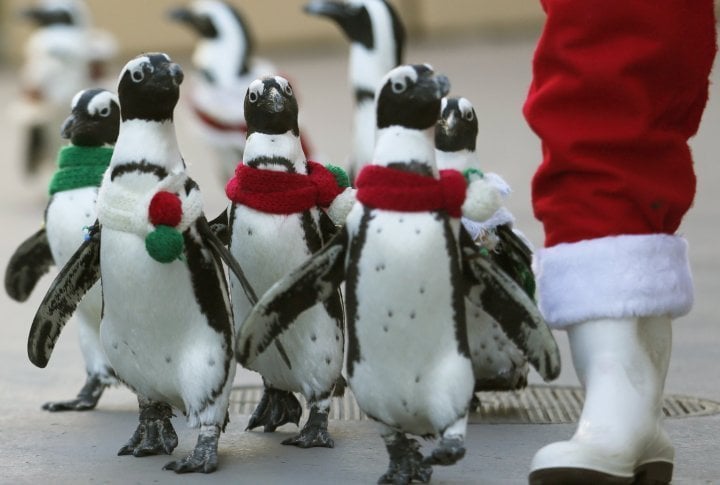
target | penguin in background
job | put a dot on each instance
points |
(92, 129)
(63, 55)
(166, 327)
(377, 41)
(498, 364)
(278, 219)
(408, 266)
(225, 65)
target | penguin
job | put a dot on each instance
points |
(497, 363)
(92, 129)
(166, 326)
(63, 55)
(224, 64)
(407, 266)
(276, 222)
(377, 42)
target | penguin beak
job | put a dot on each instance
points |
(340, 12)
(199, 23)
(46, 17)
(275, 101)
(67, 128)
(442, 85)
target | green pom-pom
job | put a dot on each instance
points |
(164, 244)
(341, 177)
(471, 174)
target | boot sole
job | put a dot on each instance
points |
(653, 473)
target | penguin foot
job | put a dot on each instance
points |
(449, 451)
(154, 435)
(406, 461)
(275, 409)
(86, 399)
(204, 458)
(475, 404)
(314, 433)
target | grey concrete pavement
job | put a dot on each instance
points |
(40, 447)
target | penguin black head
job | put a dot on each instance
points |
(410, 96)
(95, 119)
(355, 18)
(149, 88)
(56, 12)
(457, 127)
(211, 19)
(271, 107)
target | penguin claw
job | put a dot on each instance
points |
(314, 433)
(448, 452)
(310, 438)
(154, 435)
(275, 409)
(406, 463)
(204, 458)
(86, 399)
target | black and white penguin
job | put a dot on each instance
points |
(62, 56)
(377, 41)
(498, 364)
(407, 267)
(224, 65)
(92, 129)
(277, 222)
(167, 326)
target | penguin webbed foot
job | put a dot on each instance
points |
(154, 435)
(314, 433)
(275, 409)
(406, 462)
(448, 452)
(86, 399)
(204, 457)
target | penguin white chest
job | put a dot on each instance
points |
(153, 331)
(269, 247)
(67, 215)
(410, 372)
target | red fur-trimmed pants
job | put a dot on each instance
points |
(618, 89)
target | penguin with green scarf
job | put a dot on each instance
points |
(92, 129)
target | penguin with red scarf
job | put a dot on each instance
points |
(408, 266)
(284, 208)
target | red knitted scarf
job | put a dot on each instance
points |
(397, 190)
(281, 192)
(219, 125)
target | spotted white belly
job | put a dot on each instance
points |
(153, 332)
(410, 374)
(268, 247)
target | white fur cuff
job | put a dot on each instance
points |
(614, 277)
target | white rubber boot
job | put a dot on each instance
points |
(622, 364)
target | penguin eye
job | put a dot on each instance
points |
(288, 90)
(399, 86)
(469, 115)
(137, 75)
(252, 96)
(105, 112)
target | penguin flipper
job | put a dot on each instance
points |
(500, 296)
(221, 227)
(80, 273)
(515, 258)
(215, 243)
(30, 261)
(316, 280)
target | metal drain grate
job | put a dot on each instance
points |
(537, 404)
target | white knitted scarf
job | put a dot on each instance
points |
(121, 208)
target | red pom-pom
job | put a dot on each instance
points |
(165, 209)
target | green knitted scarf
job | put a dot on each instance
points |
(80, 167)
